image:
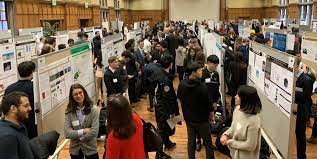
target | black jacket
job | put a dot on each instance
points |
(193, 95)
(166, 99)
(97, 47)
(26, 86)
(112, 82)
(140, 57)
(44, 145)
(211, 79)
(123, 76)
(304, 89)
(173, 43)
(14, 143)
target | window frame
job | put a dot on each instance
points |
(306, 11)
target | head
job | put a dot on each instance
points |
(85, 37)
(51, 41)
(61, 46)
(71, 42)
(141, 43)
(158, 47)
(248, 100)
(166, 61)
(267, 42)
(195, 71)
(191, 52)
(164, 44)
(252, 32)
(113, 62)
(97, 34)
(78, 97)
(26, 70)
(119, 117)
(212, 62)
(80, 34)
(42, 39)
(16, 106)
(46, 49)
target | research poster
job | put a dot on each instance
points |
(257, 71)
(309, 48)
(8, 66)
(106, 49)
(279, 80)
(54, 80)
(25, 50)
(82, 67)
(290, 42)
(279, 42)
(62, 39)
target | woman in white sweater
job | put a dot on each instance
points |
(244, 136)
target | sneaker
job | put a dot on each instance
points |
(198, 145)
(312, 140)
(170, 146)
(162, 155)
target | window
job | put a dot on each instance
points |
(305, 8)
(3, 16)
(283, 10)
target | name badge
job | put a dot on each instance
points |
(124, 67)
(207, 80)
(75, 123)
(115, 80)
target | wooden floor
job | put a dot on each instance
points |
(180, 137)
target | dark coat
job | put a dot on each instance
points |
(14, 141)
(140, 57)
(211, 79)
(112, 82)
(45, 145)
(26, 86)
(97, 47)
(166, 101)
(173, 43)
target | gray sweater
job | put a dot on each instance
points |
(244, 135)
(88, 142)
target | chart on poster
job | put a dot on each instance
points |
(25, 50)
(8, 70)
(55, 80)
(82, 67)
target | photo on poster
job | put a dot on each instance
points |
(7, 66)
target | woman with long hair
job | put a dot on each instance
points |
(125, 140)
(190, 58)
(81, 124)
(244, 136)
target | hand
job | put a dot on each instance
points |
(70, 129)
(173, 116)
(129, 76)
(224, 139)
(139, 73)
(214, 106)
(86, 130)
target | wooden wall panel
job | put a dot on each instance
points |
(112, 14)
(153, 16)
(30, 13)
(315, 10)
(271, 12)
(252, 13)
(293, 11)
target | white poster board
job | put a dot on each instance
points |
(309, 48)
(61, 39)
(25, 50)
(8, 70)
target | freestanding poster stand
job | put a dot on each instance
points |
(273, 74)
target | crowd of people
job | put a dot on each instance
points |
(149, 67)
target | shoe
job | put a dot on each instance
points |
(150, 109)
(312, 140)
(170, 146)
(162, 155)
(198, 146)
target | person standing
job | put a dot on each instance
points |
(112, 77)
(166, 105)
(125, 140)
(244, 136)
(179, 59)
(25, 85)
(196, 106)
(81, 124)
(14, 143)
(173, 43)
(97, 45)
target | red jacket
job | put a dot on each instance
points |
(132, 148)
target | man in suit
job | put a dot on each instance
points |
(139, 53)
(112, 77)
(173, 43)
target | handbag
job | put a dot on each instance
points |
(151, 138)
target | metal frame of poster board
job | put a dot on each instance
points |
(278, 129)
(53, 119)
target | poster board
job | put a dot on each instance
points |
(272, 73)
(106, 50)
(56, 72)
(72, 34)
(118, 45)
(36, 32)
(61, 39)
(309, 47)
(8, 66)
(25, 48)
